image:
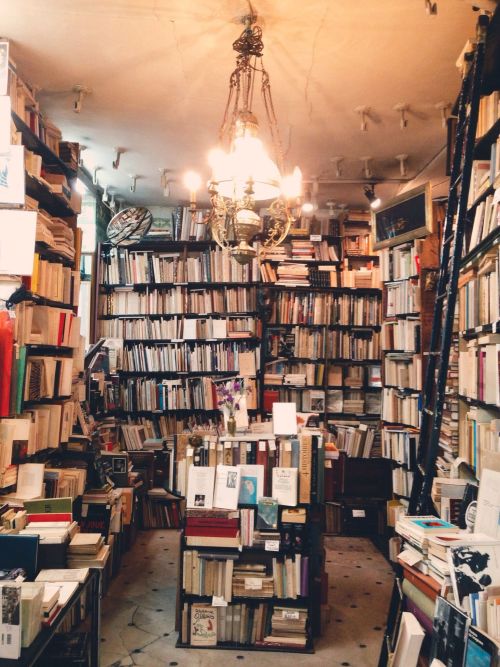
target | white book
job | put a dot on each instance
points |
(10, 621)
(251, 484)
(200, 489)
(285, 486)
(68, 574)
(409, 641)
(284, 418)
(227, 487)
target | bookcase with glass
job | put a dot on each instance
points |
(408, 273)
(250, 550)
(322, 336)
(479, 300)
(185, 313)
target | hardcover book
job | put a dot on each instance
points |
(203, 625)
(267, 514)
(200, 487)
(227, 486)
(252, 484)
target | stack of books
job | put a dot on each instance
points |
(293, 275)
(88, 550)
(288, 627)
(212, 527)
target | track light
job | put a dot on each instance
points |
(372, 197)
(307, 207)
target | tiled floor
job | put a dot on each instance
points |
(139, 610)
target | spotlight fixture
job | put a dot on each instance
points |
(244, 177)
(372, 197)
(307, 207)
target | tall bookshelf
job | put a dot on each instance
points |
(408, 271)
(187, 317)
(479, 301)
(322, 324)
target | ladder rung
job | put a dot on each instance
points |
(441, 296)
(449, 239)
(433, 353)
(428, 411)
(456, 182)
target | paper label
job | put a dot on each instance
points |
(272, 446)
(85, 510)
(262, 446)
(360, 514)
(315, 237)
(189, 451)
(272, 545)
(290, 615)
(227, 445)
(253, 584)
(211, 445)
(218, 601)
(288, 446)
(249, 446)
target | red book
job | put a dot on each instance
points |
(270, 396)
(60, 333)
(61, 516)
(428, 585)
(214, 521)
(216, 531)
(6, 358)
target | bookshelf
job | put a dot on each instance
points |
(259, 583)
(322, 324)
(185, 314)
(478, 301)
(408, 272)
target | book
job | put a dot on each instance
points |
(408, 643)
(480, 650)
(284, 418)
(10, 625)
(227, 486)
(251, 484)
(284, 486)
(267, 513)
(203, 628)
(473, 567)
(200, 487)
(449, 633)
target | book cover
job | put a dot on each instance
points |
(448, 634)
(251, 484)
(227, 486)
(267, 514)
(200, 490)
(203, 625)
(473, 567)
(480, 650)
(285, 486)
(10, 626)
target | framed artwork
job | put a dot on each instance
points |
(4, 66)
(404, 218)
(12, 176)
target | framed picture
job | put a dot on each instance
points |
(4, 66)
(404, 218)
(12, 176)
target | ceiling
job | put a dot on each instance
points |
(158, 73)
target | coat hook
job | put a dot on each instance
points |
(118, 153)
(94, 180)
(337, 161)
(402, 108)
(80, 158)
(443, 108)
(366, 166)
(364, 113)
(402, 163)
(80, 91)
(133, 183)
(165, 181)
(105, 195)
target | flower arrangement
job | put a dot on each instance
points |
(229, 395)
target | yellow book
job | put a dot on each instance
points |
(35, 274)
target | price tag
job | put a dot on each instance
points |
(249, 446)
(189, 451)
(253, 584)
(328, 463)
(219, 447)
(290, 615)
(262, 446)
(288, 446)
(359, 514)
(272, 545)
(211, 445)
(315, 237)
(272, 445)
(227, 445)
(85, 509)
(218, 601)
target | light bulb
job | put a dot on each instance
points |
(192, 181)
(291, 184)
(307, 207)
(375, 203)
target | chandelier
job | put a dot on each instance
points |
(244, 178)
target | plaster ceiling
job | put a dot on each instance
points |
(158, 72)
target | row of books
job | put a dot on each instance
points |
(301, 374)
(357, 240)
(235, 356)
(360, 277)
(400, 408)
(178, 301)
(313, 308)
(332, 401)
(296, 342)
(402, 481)
(306, 249)
(479, 434)
(403, 370)
(448, 437)
(120, 266)
(402, 298)
(177, 328)
(140, 394)
(479, 293)
(478, 364)
(355, 440)
(158, 513)
(186, 225)
(482, 176)
(55, 281)
(400, 445)
(55, 234)
(355, 345)
(48, 377)
(399, 263)
(45, 325)
(489, 112)
(244, 624)
(486, 221)
(403, 335)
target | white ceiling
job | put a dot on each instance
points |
(158, 71)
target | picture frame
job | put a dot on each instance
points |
(406, 217)
(12, 187)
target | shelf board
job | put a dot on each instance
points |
(362, 258)
(404, 390)
(230, 646)
(173, 341)
(35, 144)
(481, 197)
(181, 374)
(478, 403)
(476, 253)
(51, 202)
(161, 244)
(339, 327)
(38, 401)
(483, 144)
(400, 280)
(493, 327)
(368, 291)
(46, 350)
(305, 260)
(169, 316)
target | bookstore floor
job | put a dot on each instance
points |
(139, 610)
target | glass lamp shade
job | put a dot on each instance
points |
(246, 162)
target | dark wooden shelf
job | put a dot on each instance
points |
(480, 198)
(174, 341)
(51, 202)
(46, 350)
(483, 144)
(478, 403)
(230, 646)
(53, 255)
(481, 330)
(35, 144)
(339, 327)
(367, 291)
(137, 287)
(182, 374)
(480, 249)
(169, 316)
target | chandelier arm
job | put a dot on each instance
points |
(271, 117)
